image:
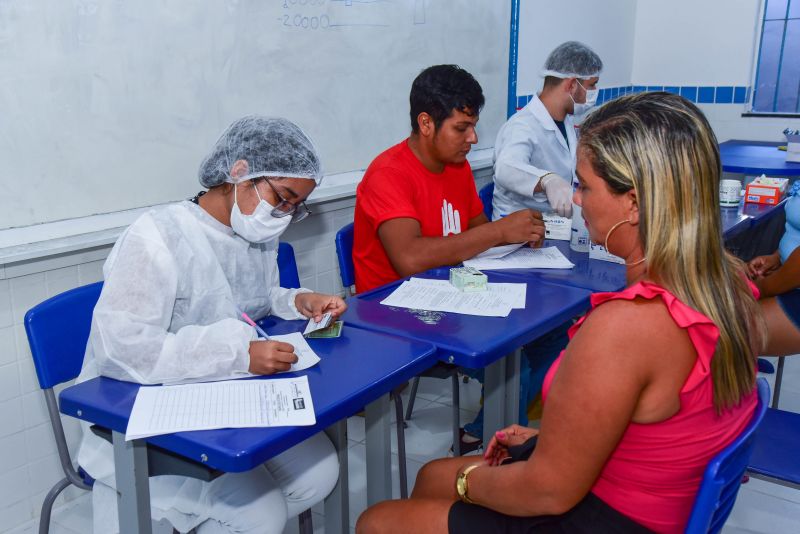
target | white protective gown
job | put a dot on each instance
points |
(168, 313)
(528, 146)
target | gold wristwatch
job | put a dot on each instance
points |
(462, 487)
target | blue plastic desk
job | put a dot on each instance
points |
(594, 275)
(756, 157)
(473, 341)
(337, 391)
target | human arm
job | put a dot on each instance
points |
(409, 252)
(596, 393)
(781, 279)
(515, 171)
(761, 266)
(314, 305)
(132, 338)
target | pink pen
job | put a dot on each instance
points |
(254, 325)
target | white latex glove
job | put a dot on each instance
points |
(559, 193)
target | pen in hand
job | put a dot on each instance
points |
(254, 325)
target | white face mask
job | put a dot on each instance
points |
(591, 100)
(260, 226)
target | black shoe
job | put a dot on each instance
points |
(467, 446)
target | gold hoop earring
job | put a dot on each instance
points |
(613, 228)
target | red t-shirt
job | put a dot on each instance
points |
(653, 474)
(397, 185)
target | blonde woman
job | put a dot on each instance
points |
(656, 379)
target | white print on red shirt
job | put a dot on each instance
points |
(451, 221)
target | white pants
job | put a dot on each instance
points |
(257, 501)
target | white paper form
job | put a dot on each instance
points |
(306, 357)
(497, 252)
(512, 293)
(229, 404)
(525, 258)
(435, 298)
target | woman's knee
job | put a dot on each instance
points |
(374, 519)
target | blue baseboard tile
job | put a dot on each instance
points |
(689, 93)
(707, 94)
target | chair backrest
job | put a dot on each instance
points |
(287, 266)
(344, 252)
(58, 330)
(486, 194)
(723, 475)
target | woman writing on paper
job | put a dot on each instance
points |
(175, 283)
(656, 379)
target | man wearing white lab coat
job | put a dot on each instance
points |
(534, 155)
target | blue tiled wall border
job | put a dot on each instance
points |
(701, 94)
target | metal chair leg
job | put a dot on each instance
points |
(412, 397)
(778, 379)
(47, 505)
(401, 445)
(456, 416)
(306, 522)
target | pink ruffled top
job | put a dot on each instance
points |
(653, 474)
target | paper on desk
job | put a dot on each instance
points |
(497, 252)
(512, 293)
(229, 404)
(432, 297)
(306, 357)
(525, 258)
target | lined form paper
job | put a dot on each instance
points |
(228, 404)
(524, 258)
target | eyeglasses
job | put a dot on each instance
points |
(285, 208)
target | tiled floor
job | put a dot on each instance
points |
(760, 508)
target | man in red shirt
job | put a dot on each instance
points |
(417, 207)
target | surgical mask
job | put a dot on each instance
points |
(591, 100)
(260, 226)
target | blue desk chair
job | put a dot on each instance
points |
(57, 331)
(287, 266)
(775, 457)
(724, 472)
(486, 194)
(347, 270)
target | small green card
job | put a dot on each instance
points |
(334, 330)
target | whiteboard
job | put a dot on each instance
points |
(108, 105)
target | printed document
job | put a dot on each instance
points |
(433, 297)
(524, 258)
(512, 293)
(497, 252)
(229, 404)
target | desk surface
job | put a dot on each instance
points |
(472, 341)
(756, 157)
(594, 275)
(383, 362)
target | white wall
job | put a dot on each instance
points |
(607, 27)
(711, 43)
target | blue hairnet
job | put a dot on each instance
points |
(270, 146)
(572, 60)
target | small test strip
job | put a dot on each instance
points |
(313, 325)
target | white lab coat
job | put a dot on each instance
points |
(168, 313)
(528, 146)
